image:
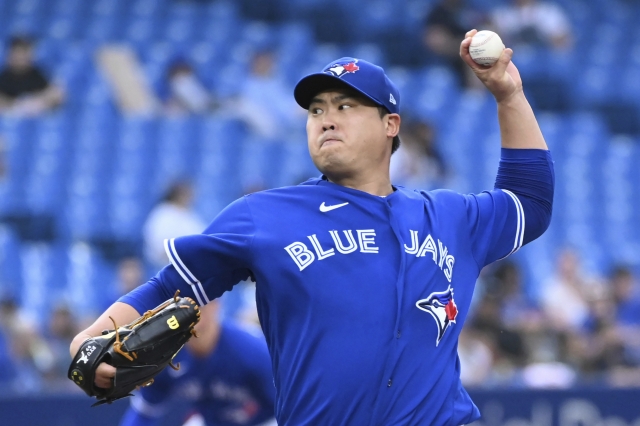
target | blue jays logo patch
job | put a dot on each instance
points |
(339, 69)
(442, 308)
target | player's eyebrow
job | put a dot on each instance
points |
(336, 99)
(316, 101)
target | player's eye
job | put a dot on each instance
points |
(315, 111)
(344, 106)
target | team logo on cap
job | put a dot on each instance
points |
(442, 308)
(341, 69)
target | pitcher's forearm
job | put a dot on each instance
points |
(120, 312)
(518, 125)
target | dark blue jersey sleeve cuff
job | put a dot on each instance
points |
(147, 296)
(529, 174)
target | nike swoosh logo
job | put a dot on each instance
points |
(325, 209)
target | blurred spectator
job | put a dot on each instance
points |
(3, 160)
(62, 329)
(172, 217)
(186, 93)
(33, 358)
(626, 296)
(517, 311)
(9, 313)
(265, 100)
(418, 164)
(565, 296)
(534, 23)
(7, 372)
(31, 355)
(506, 344)
(476, 358)
(444, 29)
(626, 301)
(523, 351)
(24, 89)
(130, 273)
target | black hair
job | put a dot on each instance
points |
(175, 190)
(20, 41)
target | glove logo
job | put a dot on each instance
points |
(84, 356)
(173, 322)
(77, 377)
(442, 308)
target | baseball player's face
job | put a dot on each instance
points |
(346, 135)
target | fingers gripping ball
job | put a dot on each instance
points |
(139, 350)
(485, 47)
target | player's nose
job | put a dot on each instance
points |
(328, 123)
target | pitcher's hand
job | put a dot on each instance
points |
(502, 78)
(104, 375)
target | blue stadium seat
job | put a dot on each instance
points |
(10, 263)
(179, 30)
(146, 8)
(90, 279)
(140, 31)
(109, 8)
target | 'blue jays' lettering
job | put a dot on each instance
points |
(365, 243)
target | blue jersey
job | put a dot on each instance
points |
(361, 298)
(231, 386)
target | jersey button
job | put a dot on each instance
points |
(389, 383)
(398, 335)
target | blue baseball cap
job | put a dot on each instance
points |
(363, 76)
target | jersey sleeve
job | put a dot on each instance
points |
(516, 212)
(214, 261)
(496, 224)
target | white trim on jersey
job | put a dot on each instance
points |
(185, 273)
(520, 223)
(146, 408)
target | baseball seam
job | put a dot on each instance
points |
(483, 42)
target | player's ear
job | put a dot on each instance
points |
(393, 125)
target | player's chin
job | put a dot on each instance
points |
(331, 165)
(329, 152)
(327, 162)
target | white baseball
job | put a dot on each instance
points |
(485, 47)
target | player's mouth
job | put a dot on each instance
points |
(328, 141)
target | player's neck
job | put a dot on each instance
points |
(374, 185)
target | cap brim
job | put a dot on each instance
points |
(311, 85)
